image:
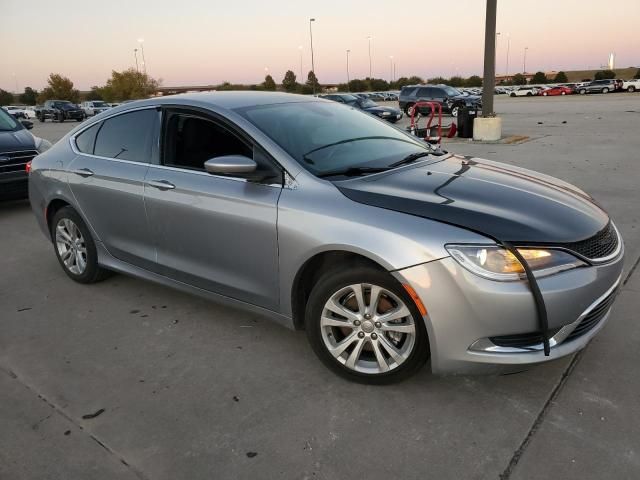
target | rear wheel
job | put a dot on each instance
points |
(75, 248)
(364, 326)
(631, 88)
(544, 94)
(512, 95)
(409, 110)
(563, 93)
(605, 90)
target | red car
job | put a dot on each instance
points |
(556, 91)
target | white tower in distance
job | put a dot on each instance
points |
(612, 61)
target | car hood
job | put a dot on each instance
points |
(501, 201)
(17, 140)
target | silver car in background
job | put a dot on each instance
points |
(388, 252)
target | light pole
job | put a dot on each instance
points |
(313, 68)
(135, 54)
(301, 74)
(524, 61)
(15, 79)
(348, 51)
(508, 48)
(489, 80)
(391, 66)
(369, 38)
(144, 62)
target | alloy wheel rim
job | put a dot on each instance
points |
(71, 246)
(367, 328)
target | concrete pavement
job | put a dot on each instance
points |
(191, 389)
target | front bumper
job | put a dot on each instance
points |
(465, 311)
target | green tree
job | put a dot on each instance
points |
(378, 84)
(94, 94)
(456, 81)
(128, 85)
(473, 81)
(29, 97)
(358, 85)
(437, 81)
(6, 98)
(561, 77)
(289, 82)
(539, 78)
(269, 83)
(59, 88)
(519, 79)
(312, 81)
(637, 75)
(604, 75)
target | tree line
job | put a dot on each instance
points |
(132, 85)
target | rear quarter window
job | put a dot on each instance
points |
(407, 91)
(85, 142)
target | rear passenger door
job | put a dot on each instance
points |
(107, 180)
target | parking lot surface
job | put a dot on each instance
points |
(127, 379)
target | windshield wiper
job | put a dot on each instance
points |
(409, 159)
(353, 171)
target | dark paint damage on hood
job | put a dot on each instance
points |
(16, 140)
(501, 201)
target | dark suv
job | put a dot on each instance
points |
(450, 98)
(598, 86)
(60, 110)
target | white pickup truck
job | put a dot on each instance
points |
(631, 85)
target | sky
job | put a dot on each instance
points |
(203, 42)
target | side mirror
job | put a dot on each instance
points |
(230, 164)
(27, 124)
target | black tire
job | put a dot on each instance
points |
(529, 94)
(93, 272)
(455, 110)
(61, 117)
(544, 94)
(408, 109)
(512, 94)
(605, 90)
(333, 281)
(582, 91)
(631, 89)
(41, 118)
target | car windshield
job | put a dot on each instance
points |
(452, 91)
(99, 104)
(327, 137)
(366, 103)
(62, 104)
(7, 122)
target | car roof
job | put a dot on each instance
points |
(229, 99)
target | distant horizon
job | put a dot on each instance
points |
(209, 42)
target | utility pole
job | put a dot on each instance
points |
(313, 68)
(348, 51)
(524, 61)
(508, 48)
(369, 38)
(135, 54)
(301, 71)
(144, 62)
(489, 80)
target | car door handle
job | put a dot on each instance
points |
(161, 184)
(83, 172)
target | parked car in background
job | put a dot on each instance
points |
(524, 92)
(388, 253)
(16, 110)
(597, 86)
(59, 111)
(94, 107)
(631, 85)
(450, 98)
(389, 114)
(30, 111)
(558, 90)
(17, 148)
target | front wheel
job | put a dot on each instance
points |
(365, 327)
(631, 89)
(455, 110)
(75, 248)
(563, 93)
(512, 95)
(409, 110)
(582, 91)
(544, 94)
(605, 90)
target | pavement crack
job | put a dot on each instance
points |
(506, 474)
(631, 270)
(61, 412)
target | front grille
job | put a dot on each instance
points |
(593, 317)
(17, 160)
(601, 245)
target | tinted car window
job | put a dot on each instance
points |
(127, 136)
(407, 91)
(424, 92)
(87, 139)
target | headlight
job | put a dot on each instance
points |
(42, 145)
(385, 114)
(497, 263)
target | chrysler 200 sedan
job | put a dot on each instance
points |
(389, 253)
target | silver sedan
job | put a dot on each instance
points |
(387, 251)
